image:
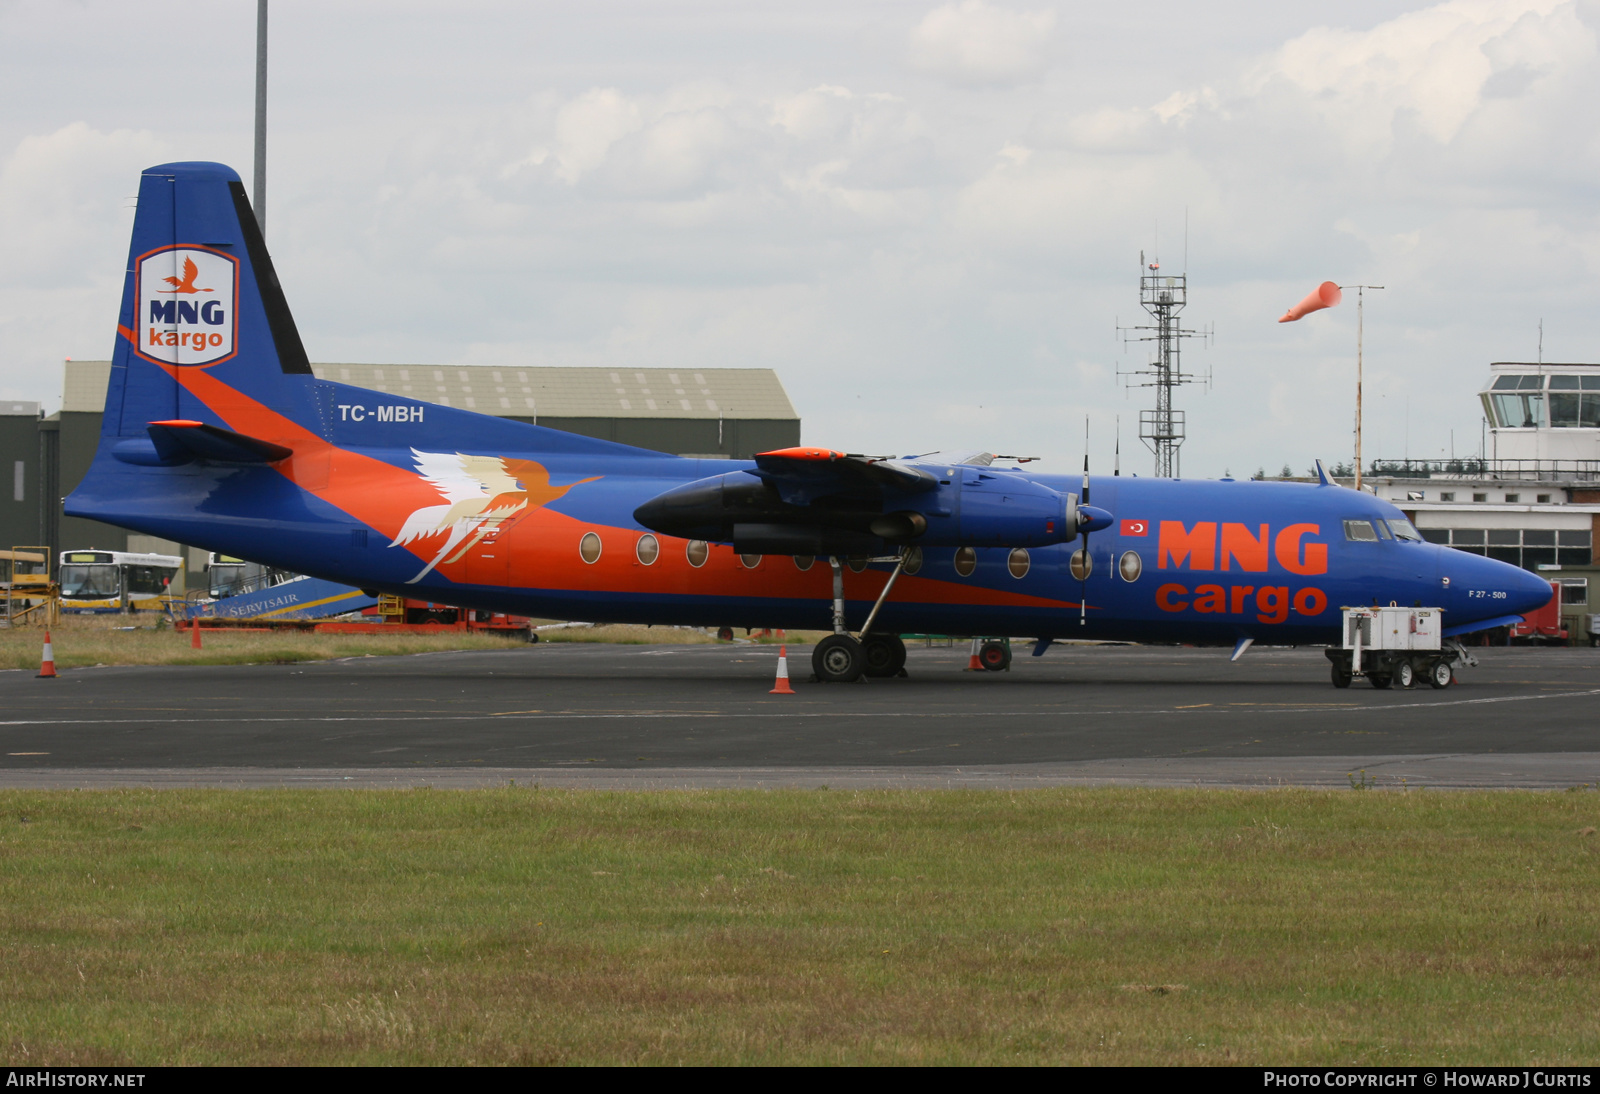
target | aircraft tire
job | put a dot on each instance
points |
(1441, 674)
(1341, 674)
(838, 659)
(884, 655)
(994, 656)
(724, 634)
(1404, 674)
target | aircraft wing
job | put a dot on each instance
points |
(819, 501)
(802, 474)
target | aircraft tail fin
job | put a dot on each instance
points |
(201, 296)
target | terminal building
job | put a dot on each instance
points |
(1532, 498)
(710, 413)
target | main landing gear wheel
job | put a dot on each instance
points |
(884, 655)
(1441, 674)
(1404, 674)
(838, 659)
(724, 634)
(994, 656)
(1341, 675)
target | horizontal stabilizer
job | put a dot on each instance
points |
(180, 441)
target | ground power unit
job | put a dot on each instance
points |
(1396, 645)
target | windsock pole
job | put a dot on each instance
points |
(781, 687)
(47, 663)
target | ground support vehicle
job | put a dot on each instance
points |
(1542, 625)
(1396, 645)
(31, 594)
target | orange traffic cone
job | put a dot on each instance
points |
(194, 634)
(973, 664)
(782, 686)
(47, 663)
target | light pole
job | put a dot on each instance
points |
(261, 116)
(1360, 301)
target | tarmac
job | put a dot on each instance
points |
(649, 717)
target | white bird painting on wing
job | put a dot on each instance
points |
(481, 494)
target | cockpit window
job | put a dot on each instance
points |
(1404, 529)
(1383, 529)
(1360, 530)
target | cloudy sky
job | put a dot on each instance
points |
(926, 217)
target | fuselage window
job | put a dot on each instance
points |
(1081, 565)
(648, 549)
(1360, 530)
(750, 562)
(803, 562)
(857, 563)
(589, 547)
(1130, 566)
(966, 561)
(697, 552)
(913, 558)
(1018, 563)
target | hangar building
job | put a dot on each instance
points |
(729, 413)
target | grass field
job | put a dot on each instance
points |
(97, 640)
(1060, 926)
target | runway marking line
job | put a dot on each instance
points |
(796, 715)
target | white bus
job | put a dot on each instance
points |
(115, 581)
(229, 576)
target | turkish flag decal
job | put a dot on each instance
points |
(1136, 528)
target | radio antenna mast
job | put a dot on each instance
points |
(1163, 297)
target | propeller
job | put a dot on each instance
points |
(1090, 519)
(1083, 581)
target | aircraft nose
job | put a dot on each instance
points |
(1530, 592)
(1481, 588)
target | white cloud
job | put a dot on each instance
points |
(973, 42)
(66, 193)
(663, 185)
(1434, 64)
(587, 127)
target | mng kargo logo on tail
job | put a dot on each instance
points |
(188, 298)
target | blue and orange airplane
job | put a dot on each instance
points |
(217, 434)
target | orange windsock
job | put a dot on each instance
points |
(1325, 295)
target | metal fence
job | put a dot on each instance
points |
(1509, 470)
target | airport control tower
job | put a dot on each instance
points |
(1163, 297)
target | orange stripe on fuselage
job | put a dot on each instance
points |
(376, 493)
(542, 552)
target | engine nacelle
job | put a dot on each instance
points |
(973, 507)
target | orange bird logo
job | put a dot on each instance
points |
(482, 494)
(185, 284)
